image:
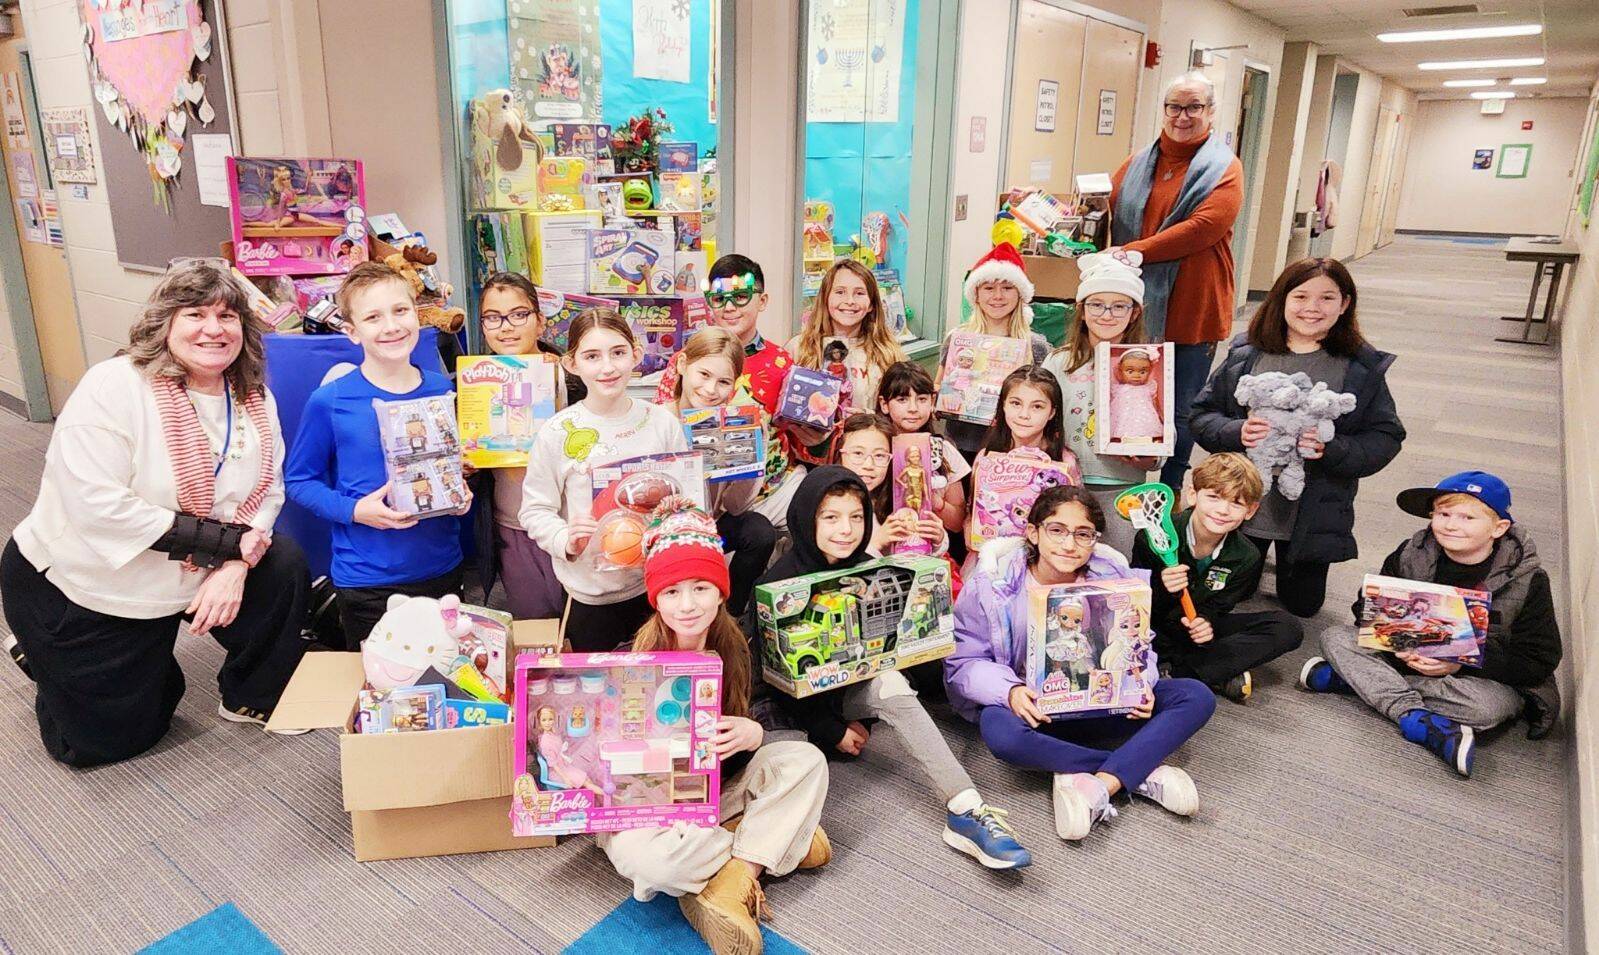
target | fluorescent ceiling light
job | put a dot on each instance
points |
(1481, 64)
(1494, 94)
(1469, 82)
(1465, 33)
(1529, 81)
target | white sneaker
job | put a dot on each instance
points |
(1172, 788)
(1081, 800)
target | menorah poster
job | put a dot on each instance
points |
(856, 48)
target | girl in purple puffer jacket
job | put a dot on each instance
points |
(1092, 758)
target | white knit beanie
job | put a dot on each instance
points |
(1104, 272)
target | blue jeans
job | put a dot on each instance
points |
(1128, 749)
(1188, 379)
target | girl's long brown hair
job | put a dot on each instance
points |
(1268, 329)
(1080, 350)
(724, 639)
(883, 495)
(881, 348)
(1000, 439)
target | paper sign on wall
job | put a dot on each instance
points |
(67, 143)
(853, 61)
(1039, 170)
(211, 152)
(661, 31)
(979, 138)
(1483, 159)
(1107, 113)
(1513, 161)
(1047, 106)
(11, 99)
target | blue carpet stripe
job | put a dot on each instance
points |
(223, 929)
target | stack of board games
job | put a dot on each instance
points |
(1088, 648)
(1430, 620)
(422, 454)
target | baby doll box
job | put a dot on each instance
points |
(837, 627)
(409, 795)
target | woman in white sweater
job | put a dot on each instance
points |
(161, 484)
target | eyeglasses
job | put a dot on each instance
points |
(515, 318)
(1120, 309)
(1085, 536)
(880, 458)
(737, 298)
(1175, 110)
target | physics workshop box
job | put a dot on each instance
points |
(433, 793)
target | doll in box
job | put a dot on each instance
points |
(1135, 399)
(834, 356)
(561, 770)
(283, 199)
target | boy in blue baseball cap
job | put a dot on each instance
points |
(1472, 542)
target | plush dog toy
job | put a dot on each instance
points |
(1291, 405)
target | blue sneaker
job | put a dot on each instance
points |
(1318, 676)
(984, 835)
(1454, 743)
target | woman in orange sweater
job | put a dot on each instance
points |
(1175, 201)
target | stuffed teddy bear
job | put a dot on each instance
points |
(1291, 405)
(416, 262)
(413, 634)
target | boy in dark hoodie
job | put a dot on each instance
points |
(1471, 542)
(829, 519)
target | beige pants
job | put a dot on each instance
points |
(780, 793)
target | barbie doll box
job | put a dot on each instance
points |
(297, 216)
(501, 401)
(1006, 485)
(1133, 399)
(409, 795)
(837, 627)
(1088, 648)
(974, 369)
(612, 741)
(1431, 620)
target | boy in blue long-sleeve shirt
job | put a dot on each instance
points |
(335, 468)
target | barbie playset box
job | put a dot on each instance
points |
(297, 216)
(1005, 487)
(613, 741)
(1430, 620)
(1088, 648)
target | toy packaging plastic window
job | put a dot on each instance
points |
(810, 397)
(1432, 620)
(974, 369)
(1005, 487)
(1133, 392)
(913, 485)
(730, 438)
(1088, 648)
(502, 401)
(422, 454)
(626, 491)
(404, 709)
(837, 627)
(297, 216)
(592, 141)
(612, 741)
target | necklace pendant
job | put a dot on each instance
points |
(1167, 176)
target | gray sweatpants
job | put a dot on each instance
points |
(890, 698)
(1471, 700)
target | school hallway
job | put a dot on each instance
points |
(1320, 829)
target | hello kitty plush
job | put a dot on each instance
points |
(413, 634)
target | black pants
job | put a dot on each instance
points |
(750, 538)
(1242, 642)
(1301, 585)
(600, 628)
(361, 607)
(108, 686)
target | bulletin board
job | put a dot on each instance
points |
(148, 236)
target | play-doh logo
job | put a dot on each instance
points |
(486, 373)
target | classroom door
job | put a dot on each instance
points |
(1113, 57)
(1371, 210)
(1046, 97)
(1246, 143)
(1396, 176)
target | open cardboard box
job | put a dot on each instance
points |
(414, 794)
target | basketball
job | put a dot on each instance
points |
(622, 542)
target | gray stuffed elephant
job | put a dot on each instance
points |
(1291, 405)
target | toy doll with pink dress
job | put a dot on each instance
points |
(1133, 382)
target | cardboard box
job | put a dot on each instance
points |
(439, 792)
(1052, 276)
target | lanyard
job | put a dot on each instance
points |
(227, 435)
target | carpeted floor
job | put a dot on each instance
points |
(1320, 830)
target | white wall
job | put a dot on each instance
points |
(765, 142)
(1285, 154)
(1444, 193)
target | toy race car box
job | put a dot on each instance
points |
(613, 741)
(830, 629)
(1431, 620)
(422, 454)
(297, 216)
(730, 438)
(626, 491)
(1006, 487)
(810, 397)
(974, 369)
(1088, 648)
(501, 401)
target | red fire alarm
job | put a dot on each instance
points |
(1526, 124)
(1151, 55)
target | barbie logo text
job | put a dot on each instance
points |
(573, 800)
(247, 251)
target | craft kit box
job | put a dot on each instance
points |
(810, 397)
(974, 370)
(559, 308)
(660, 324)
(1006, 485)
(501, 402)
(297, 216)
(830, 629)
(1088, 648)
(1432, 620)
(631, 262)
(613, 741)
(414, 794)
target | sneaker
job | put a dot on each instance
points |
(984, 835)
(244, 714)
(726, 911)
(1239, 688)
(1081, 800)
(1172, 788)
(819, 854)
(14, 650)
(1454, 743)
(1318, 676)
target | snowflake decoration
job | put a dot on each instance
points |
(828, 24)
(680, 9)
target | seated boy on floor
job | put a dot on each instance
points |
(1471, 542)
(1219, 567)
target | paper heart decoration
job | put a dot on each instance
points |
(177, 121)
(145, 70)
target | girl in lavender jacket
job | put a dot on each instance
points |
(1092, 758)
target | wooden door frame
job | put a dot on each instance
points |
(35, 399)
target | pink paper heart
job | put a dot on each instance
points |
(146, 70)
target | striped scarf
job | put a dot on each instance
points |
(193, 461)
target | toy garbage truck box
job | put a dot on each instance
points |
(612, 741)
(838, 627)
(1088, 648)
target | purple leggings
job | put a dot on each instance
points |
(528, 576)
